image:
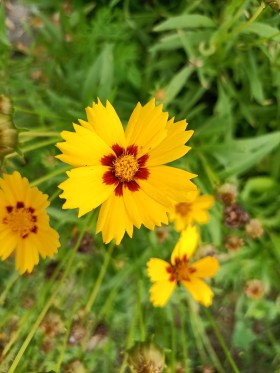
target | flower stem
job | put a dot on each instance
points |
(49, 302)
(99, 280)
(251, 20)
(222, 342)
(50, 175)
(32, 134)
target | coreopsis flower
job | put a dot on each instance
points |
(180, 271)
(24, 223)
(124, 171)
(194, 209)
(146, 357)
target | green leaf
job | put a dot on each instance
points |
(243, 335)
(177, 83)
(99, 79)
(263, 30)
(185, 21)
(238, 156)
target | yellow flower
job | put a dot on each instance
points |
(166, 276)
(124, 171)
(24, 223)
(194, 209)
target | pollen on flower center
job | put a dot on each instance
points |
(183, 208)
(125, 167)
(181, 270)
(21, 219)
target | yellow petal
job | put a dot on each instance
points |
(146, 127)
(158, 270)
(199, 290)
(82, 147)
(85, 189)
(169, 183)
(200, 216)
(204, 202)
(113, 220)
(143, 209)
(106, 123)
(173, 146)
(8, 243)
(205, 267)
(160, 292)
(186, 245)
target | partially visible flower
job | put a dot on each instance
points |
(254, 228)
(227, 193)
(254, 289)
(124, 172)
(166, 276)
(235, 216)
(162, 233)
(194, 209)
(146, 358)
(24, 223)
(8, 132)
(233, 243)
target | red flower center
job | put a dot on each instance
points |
(181, 270)
(125, 168)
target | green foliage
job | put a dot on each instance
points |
(216, 63)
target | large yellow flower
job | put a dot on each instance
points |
(24, 223)
(194, 209)
(166, 276)
(123, 171)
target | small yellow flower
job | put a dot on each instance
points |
(24, 223)
(194, 209)
(124, 171)
(166, 276)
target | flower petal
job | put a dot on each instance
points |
(146, 127)
(8, 243)
(85, 189)
(158, 270)
(204, 202)
(186, 245)
(113, 220)
(199, 290)
(173, 146)
(82, 147)
(106, 123)
(168, 183)
(142, 209)
(205, 267)
(160, 292)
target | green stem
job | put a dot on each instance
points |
(141, 320)
(222, 342)
(8, 287)
(50, 175)
(32, 147)
(35, 134)
(251, 20)
(49, 302)
(184, 338)
(99, 280)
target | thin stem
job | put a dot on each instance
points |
(222, 342)
(8, 287)
(251, 20)
(49, 302)
(141, 320)
(99, 280)
(50, 175)
(32, 134)
(184, 338)
(35, 146)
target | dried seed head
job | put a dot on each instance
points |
(75, 367)
(233, 243)
(235, 216)
(254, 228)
(52, 325)
(254, 289)
(162, 233)
(274, 4)
(8, 132)
(227, 193)
(146, 358)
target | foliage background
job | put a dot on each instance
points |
(216, 63)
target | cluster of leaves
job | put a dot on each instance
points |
(217, 65)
